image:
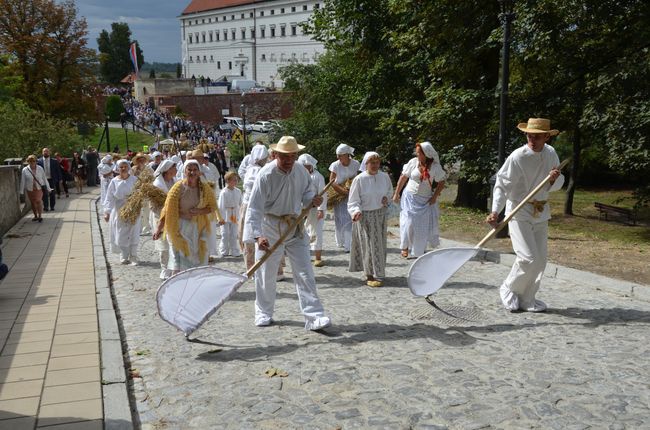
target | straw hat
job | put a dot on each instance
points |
(287, 145)
(537, 125)
(138, 156)
(197, 154)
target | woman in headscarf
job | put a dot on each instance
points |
(316, 219)
(258, 158)
(165, 179)
(105, 170)
(142, 170)
(32, 182)
(342, 172)
(125, 237)
(369, 196)
(187, 219)
(425, 179)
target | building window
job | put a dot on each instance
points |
(211, 59)
(262, 32)
(282, 10)
(242, 16)
(223, 18)
(189, 23)
(316, 6)
(209, 20)
(293, 8)
(283, 31)
(203, 37)
(272, 31)
(294, 30)
(304, 7)
(243, 34)
(229, 65)
(211, 37)
(263, 57)
(272, 11)
(233, 33)
(196, 22)
(219, 65)
(232, 17)
(190, 39)
(250, 15)
(252, 32)
(216, 34)
(198, 58)
(225, 35)
(205, 60)
(191, 60)
(261, 13)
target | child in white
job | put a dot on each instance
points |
(316, 219)
(230, 200)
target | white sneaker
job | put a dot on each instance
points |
(124, 261)
(263, 320)
(317, 323)
(134, 263)
(509, 299)
(537, 306)
(164, 274)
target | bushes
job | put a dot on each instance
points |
(114, 108)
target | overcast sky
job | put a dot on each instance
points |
(153, 24)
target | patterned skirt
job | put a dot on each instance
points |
(368, 251)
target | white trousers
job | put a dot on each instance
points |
(296, 248)
(343, 225)
(144, 219)
(529, 241)
(314, 230)
(229, 241)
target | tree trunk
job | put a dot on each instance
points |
(577, 147)
(471, 195)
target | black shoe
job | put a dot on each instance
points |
(52, 209)
(46, 209)
(40, 220)
(35, 219)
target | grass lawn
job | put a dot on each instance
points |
(118, 137)
(582, 241)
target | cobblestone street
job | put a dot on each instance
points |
(390, 360)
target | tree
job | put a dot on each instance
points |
(115, 62)
(152, 74)
(114, 107)
(47, 43)
(179, 70)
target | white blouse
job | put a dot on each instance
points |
(27, 179)
(367, 192)
(343, 173)
(415, 185)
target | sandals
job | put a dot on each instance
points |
(374, 284)
(405, 253)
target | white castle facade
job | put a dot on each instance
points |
(251, 40)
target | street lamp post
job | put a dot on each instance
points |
(506, 17)
(243, 114)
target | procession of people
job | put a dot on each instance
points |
(193, 202)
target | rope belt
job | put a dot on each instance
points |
(288, 219)
(538, 207)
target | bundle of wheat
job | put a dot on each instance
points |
(334, 197)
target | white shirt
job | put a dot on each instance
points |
(46, 167)
(367, 192)
(343, 173)
(317, 185)
(277, 193)
(229, 203)
(118, 191)
(415, 186)
(27, 179)
(241, 171)
(522, 171)
(249, 181)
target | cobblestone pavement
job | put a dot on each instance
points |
(390, 360)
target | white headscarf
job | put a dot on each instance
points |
(259, 152)
(344, 149)
(122, 161)
(163, 167)
(306, 159)
(107, 159)
(188, 162)
(175, 158)
(429, 152)
(362, 167)
(156, 154)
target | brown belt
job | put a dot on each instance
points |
(538, 207)
(288, 219)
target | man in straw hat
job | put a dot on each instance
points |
(526, 167)
(279, 193)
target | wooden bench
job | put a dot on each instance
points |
(605, 210)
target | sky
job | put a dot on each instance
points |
(153, 24)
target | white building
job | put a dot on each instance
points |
(246, 39)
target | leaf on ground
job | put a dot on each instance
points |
(214, 351)
(134, 373)
(274, 371)
(143, 352)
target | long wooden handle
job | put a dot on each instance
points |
(284, 235)
(521, 204)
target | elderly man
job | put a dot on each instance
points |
(524, 169)
(54, 175)
(280, 192)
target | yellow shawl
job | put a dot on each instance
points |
(171, 215)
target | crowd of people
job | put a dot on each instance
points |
(279, 182)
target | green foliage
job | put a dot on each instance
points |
(26, 131)
(114, 59)
(10, 79)
(152, 74)
(114, 107)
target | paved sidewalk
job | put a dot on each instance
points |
(50, 373)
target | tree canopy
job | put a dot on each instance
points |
(396, 72)
(46, 43)
(114, 59)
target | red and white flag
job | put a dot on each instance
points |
(134, 57)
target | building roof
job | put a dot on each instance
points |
(197, 6)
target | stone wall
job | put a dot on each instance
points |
(9, 197)
(211, 108)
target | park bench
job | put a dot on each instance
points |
(605, 210)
